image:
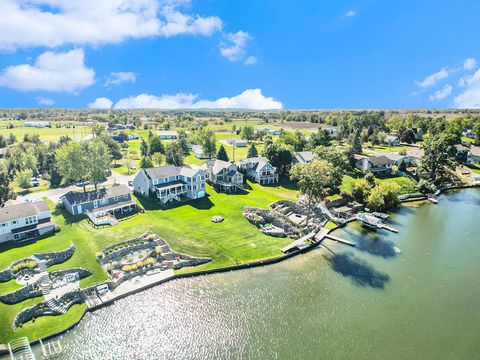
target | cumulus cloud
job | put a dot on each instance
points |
(249, 99)
(233, 47)
(442, 93)
(50, 72)
(350, 13)
(45, 101)
(53, 23)
(117, 78)
(251, 60)
(470, 98)
(101, 103)
(469, 64)
(432, 79)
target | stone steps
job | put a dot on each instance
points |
(55, 305)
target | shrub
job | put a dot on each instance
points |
(29, 264)
(158, 251)
(127, 268)
(150, 261)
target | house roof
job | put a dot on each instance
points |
(170, 170)
(305, 156)
(475, 150)
(391, 138)
(380, 160)
(76, 198)
(416, 153)
(167, 132)
(392, 156)
(461, 147)
(18, 211)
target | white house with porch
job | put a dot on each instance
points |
(170, 183)
(259, 169)
(223, 175)
(23, 221)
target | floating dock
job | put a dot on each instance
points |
(340, 240)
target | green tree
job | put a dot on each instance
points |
(143, 148)
(113, 146)
(408, 136)
(174, 154)
(158, 159)
(321, 138)
(356, 142)
(208, 141)
(248, 132)
(384, 197)
(3, 142)
(338, 159)
(146, 162)
(314, 180)
(23, 178)
(439, 155)
(6, 192)
(280, 156)
(476, 133)
(155, 145)
(99, 162)
(361, 189)
(222, 153)
(72, 162)
(252, 151)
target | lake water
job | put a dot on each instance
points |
(367, 302)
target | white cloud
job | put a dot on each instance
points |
(249, 99)
(431, 80)
(442, 93)
(53, 23)
(50, 72)
(117, 78)
(233, 48)
(45, 101)
(350, 13)
(470, 98)
(101, 103)
(469, 64)
(251, 60)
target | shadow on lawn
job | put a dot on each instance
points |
(69, 218)
(201, 204)
(359, 271)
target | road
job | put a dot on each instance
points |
(55, 194)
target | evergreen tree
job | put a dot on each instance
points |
(356, 142)
(143, 148)
(6, 191)
(222, 154)
(174, 154)
(155, 145)
(252, 151)
(146, 162)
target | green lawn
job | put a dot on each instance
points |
(46, 134)
(186, 227)
(475, 168)
(44, 185)
(385, 148)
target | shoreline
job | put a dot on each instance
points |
(249, 265)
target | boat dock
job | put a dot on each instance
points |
(389, 228)
(340, 240)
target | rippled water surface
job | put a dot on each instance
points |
(338, 302)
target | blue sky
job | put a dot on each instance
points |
(243, 54)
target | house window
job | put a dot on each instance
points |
(4, 224)
(104, 202)
(14, 222)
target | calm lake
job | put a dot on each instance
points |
(411, 295)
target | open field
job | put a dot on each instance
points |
(47, 134)
(186, 227)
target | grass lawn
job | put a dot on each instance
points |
(385, 148)
(475, 168)
(186, 227)
(47, 134)
(44, 185)
(407, 185)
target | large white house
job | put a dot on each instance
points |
(170, 183)
(223, 175)
(259, 169)
(25, 221)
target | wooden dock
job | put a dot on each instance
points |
(340, 240)
(389, 228)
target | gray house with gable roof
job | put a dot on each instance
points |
(170, 183)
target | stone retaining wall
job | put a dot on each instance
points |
(26, 292)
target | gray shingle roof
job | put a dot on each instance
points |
(18, 211)
(76, 198)
(170, 170)
(380, 160)
(305, 156)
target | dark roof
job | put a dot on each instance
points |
(76, 198)
(19, 211)
(380, 160)
(162, 171)
(169, 170)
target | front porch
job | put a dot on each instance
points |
(267, 179)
